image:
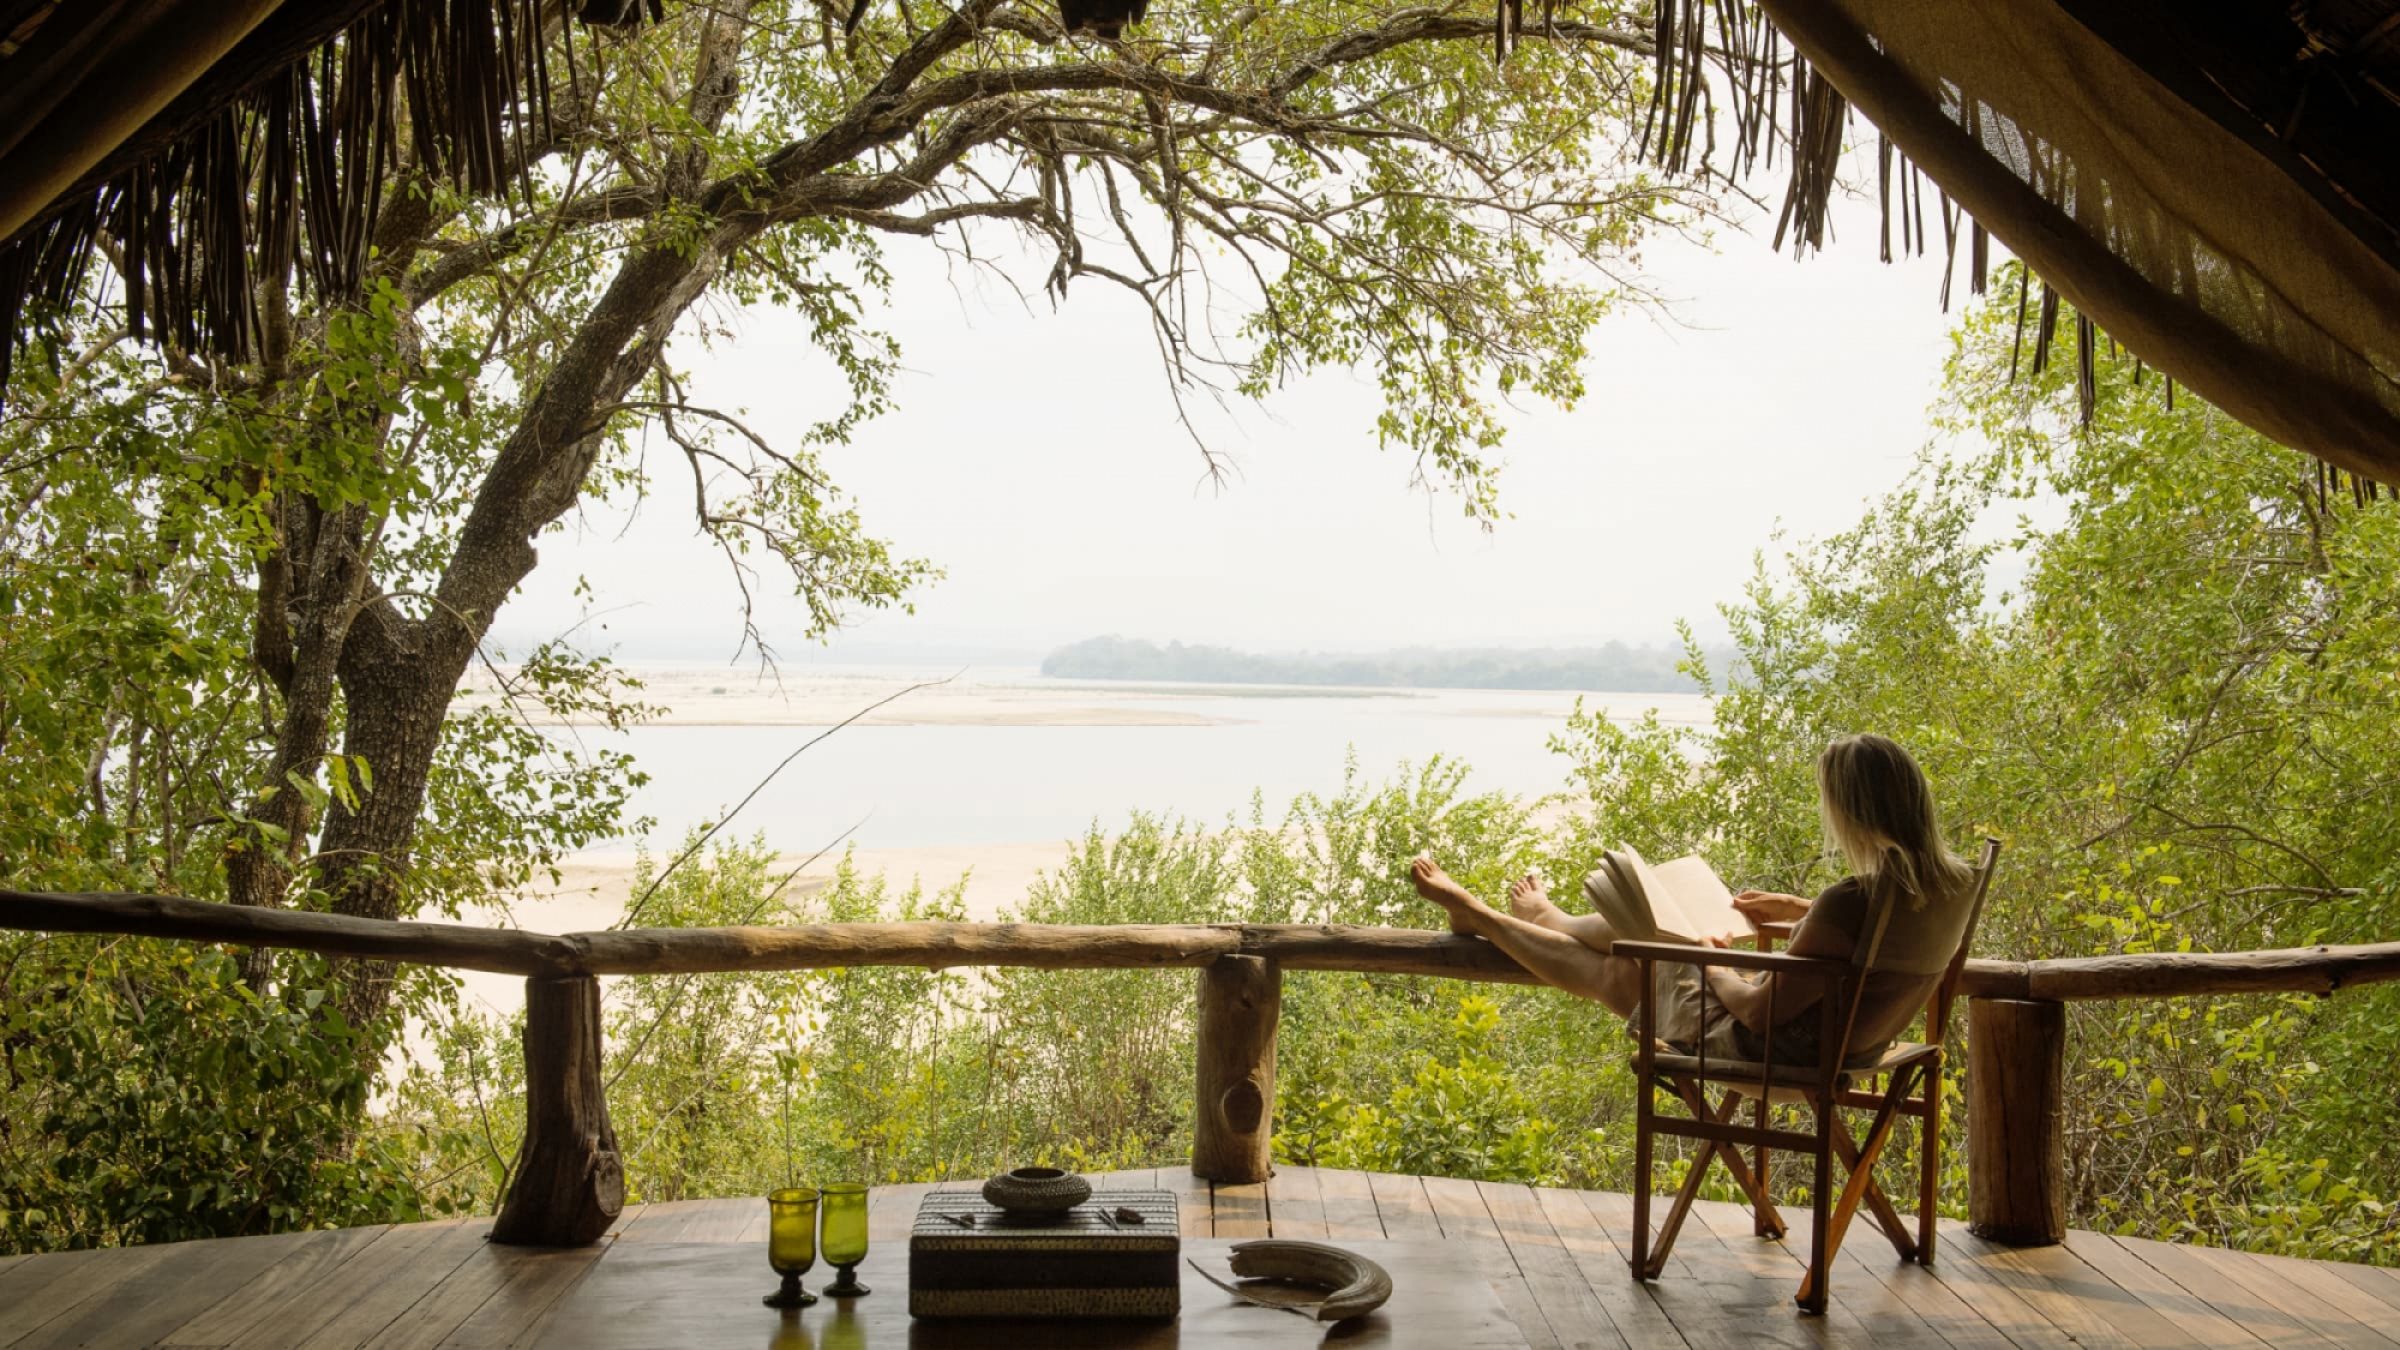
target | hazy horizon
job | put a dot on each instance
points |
(910, 648)
(1035, 455)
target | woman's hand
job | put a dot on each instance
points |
(1769, 906)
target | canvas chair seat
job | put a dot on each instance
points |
(1743, 1076)
(1903, 1080)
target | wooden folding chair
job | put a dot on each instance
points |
(1903, 1079)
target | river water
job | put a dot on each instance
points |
(1004, 756)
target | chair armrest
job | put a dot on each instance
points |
(1781, 932)
(1682, 954)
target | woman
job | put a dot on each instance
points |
(1878, 812)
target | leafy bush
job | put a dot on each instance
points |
(152, 1096)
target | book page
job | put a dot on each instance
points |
(1691, 902)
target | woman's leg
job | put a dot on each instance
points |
(1556, 958)
(1528, 901)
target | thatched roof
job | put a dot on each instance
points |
(208, 141)
(2214, 184)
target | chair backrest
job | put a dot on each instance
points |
(1937, 1012)
(1937, 1007)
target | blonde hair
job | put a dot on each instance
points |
(1878, 811)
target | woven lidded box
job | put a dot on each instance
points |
(1083, 1263)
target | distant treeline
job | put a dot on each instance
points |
(1615, 667)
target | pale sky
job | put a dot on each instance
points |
(1035, 455)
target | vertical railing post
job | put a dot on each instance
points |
(2016, 1121)
(569, 1183)
(1241, 1000)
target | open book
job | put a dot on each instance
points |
(1679, 901)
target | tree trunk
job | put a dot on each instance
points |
(260, 871)
(396, 695)
(569, 1183)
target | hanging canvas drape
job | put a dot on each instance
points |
(2123, 150)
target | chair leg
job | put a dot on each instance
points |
(1929, 1170)
(1862, 1168)
(1677, 1212)
(1813, 1290)
(1878, 1206)
(1643, 1110)
(1765, 1219)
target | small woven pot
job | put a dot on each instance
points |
(1037, 1190)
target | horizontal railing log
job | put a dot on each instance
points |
(2288, 970)
(457, 946)
(567, 1185)
(815, 946)
(1293, 946)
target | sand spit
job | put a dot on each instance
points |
(706, 696)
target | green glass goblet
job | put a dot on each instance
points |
(845, 1237)
(791, 1243)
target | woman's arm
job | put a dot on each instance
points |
(1747, 1000)
(1770, 906)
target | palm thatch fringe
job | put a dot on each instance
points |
(274, 163)
(1776, 95)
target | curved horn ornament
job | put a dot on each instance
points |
(1357, 1285)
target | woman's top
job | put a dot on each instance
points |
(1916, 949)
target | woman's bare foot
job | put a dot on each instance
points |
(1528, 901)
(1435, 884)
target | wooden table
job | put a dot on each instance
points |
(707, 1294)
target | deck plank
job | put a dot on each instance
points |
(2322, 1300)
(1296, 1204)
(1601, 1263)
(385, 1280)
(1613, 1214)
(894, 1211)
(1712, 1300)
(2380, 1282)
(2329, 1325)
(1402, 1205)
(54, 1285)
(1776, 1270)
(1239, 1211)
(271, 1294)
(1349, 1201)
(2204, 1324)
(537, 1281)
(670, 1221)
(1965, 1274)
(1555, 1260)
(451, 1307)
(726, 1220)
(1553, 1281)
(1194, 1208)
(2075, 1295)
(1861, 1304)
(1458, 1206)
(2318, 1278)
(1865, 1256)
(190, 1278)
(2231, 1297)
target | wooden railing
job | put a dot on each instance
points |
(568, 1183)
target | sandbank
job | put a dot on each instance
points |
(703, 696)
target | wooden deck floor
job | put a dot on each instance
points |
(1555, 1259)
